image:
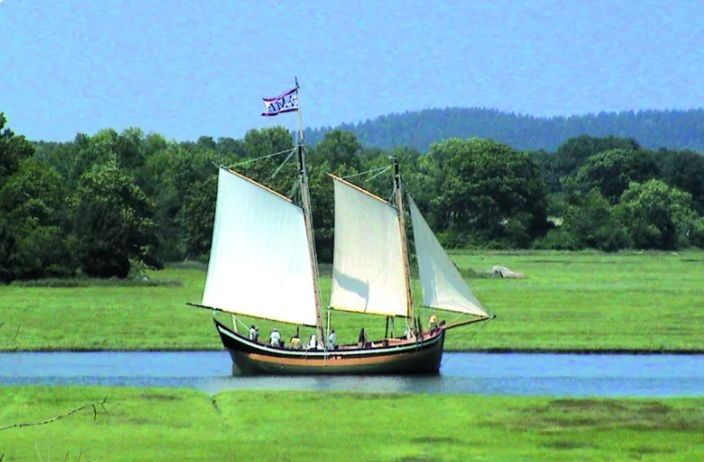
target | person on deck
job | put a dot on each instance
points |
(433, 322)
(253, 333)
(296, 342)
(275, 338)
(332, 338)
(362, 340)
(313, 343)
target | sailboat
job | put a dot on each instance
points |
(263, 264)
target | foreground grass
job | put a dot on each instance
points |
(157, 424)
(568, 301)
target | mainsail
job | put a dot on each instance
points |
(442, 285)
(368, 270)
(259, 259)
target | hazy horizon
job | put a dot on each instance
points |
(285, 121)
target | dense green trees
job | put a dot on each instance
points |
(684, 170)
(340, 148)
(76, 205)
(575, 152)
(32, 213)
(100, 203)
(591, 221)
(197, 215)
(613, 170)
(639, 212)
(33, 218)
(657, 216)
(486, 193)
(113, 223)
(13, 149)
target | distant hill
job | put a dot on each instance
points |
(652, 129)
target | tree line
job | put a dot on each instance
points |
(105, 204)
(678, 129)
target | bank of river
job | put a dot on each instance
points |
(569, 301)
(605, 375)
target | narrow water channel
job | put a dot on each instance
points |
(479, 373)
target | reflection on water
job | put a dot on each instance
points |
(481, 373)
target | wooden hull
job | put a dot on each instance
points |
(251, 358)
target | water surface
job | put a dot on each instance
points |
(480, 373)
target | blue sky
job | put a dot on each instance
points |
(188, 68)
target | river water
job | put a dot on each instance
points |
(479, 373)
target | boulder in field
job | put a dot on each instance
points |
(505, 272)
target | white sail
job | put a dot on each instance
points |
(442, 285)
(259, 260)
(368, 270)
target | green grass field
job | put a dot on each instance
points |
(568, 301)
(159, 424)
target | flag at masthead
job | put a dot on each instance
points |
(286, 102)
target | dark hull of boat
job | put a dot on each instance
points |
(252, 358)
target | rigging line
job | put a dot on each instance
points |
(249, 161)
(294, 189)
(458, 317)
(367, 172)
(241, 323)
(386, 169)
(486, 309)
(278, 169)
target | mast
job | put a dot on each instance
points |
(305, 203)
(398, 193)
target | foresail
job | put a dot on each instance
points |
(368, 270)
(442, 285)
(259, 260)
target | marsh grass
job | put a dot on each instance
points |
(96, 282)
(470, 273)
(153, 424)
(189, 264)
(568, 301)
(637, 415)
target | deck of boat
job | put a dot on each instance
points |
(385, 356)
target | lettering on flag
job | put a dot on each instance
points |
(286, 102)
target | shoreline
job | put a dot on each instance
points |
(568, 351)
